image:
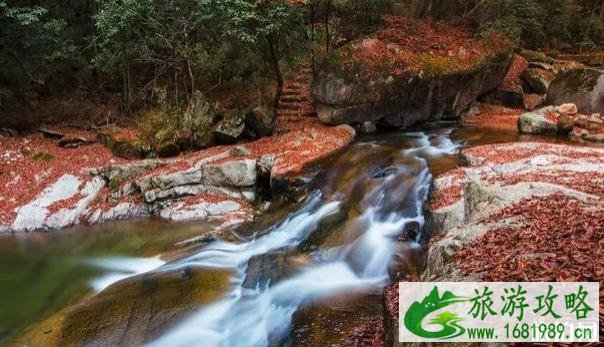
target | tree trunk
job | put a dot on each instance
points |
(312, 34)
(277, 69)
(327, 15)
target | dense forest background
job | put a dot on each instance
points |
(138, 54)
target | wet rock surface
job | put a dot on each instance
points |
(132, 312)
(536, 123)
(344, 321)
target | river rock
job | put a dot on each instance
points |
(582, 87)
(268, 269)
(121, 211)
(260, 121)
(40, 214)
(338, 322)
(229, 129)
(567, 109)
(180, 211)
(236, 173)
(401, 100)
(239, 173)
(134, 311)
(565, 125)
(535, 123)
(509, 96)
(532, 101)
(114, 175)
(538, 79)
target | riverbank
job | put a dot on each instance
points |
(46, 186)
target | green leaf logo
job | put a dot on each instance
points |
(417, 312)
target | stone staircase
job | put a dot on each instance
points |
(295, 108)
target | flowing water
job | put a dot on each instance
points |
(359, 225)
(41, 273)
(378, 186)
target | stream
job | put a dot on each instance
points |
(391, 182)
(329, 254)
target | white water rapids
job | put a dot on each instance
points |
(263, 316)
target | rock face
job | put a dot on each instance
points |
(583, 87)
(510, 92)
(401, 101)
(59, 205)
(387, 78)
(468, 201)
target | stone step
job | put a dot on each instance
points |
(292, 93)
(287, 113)
(298, 79)
(294, 85)
(293, 98)
(289, 105)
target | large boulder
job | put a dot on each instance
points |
(583, 87)
(374, 79)
(260, 121)
(122, 147)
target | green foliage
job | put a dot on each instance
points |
(200, 44)
(166, 123)
(520, 20)
(32, 43)
(557, 24)
(358, 17)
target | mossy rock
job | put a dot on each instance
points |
(534, 56)
(538, 80)
(129, 149)
(400, 101)
(260, 121)
(582, 87)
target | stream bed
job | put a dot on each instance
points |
(318, 263)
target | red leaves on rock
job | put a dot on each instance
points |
(502, 154)
(560, 239)
(369, 334)
(512, 79)
(494, 117)
(23, 175)
(405, 44)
